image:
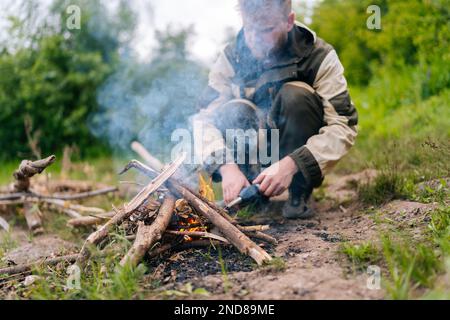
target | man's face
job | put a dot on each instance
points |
(266, 33)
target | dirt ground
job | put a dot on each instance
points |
(313, 267)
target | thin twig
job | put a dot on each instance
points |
(200, 234)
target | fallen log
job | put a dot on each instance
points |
(29, 266)
(148, 235)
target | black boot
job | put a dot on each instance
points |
(297, 207)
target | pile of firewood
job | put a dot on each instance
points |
(33, 196)
(165, 214)
(192, 217)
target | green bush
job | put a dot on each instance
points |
(51, 77)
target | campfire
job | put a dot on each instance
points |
(166, 214)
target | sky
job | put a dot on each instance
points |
(212, 21)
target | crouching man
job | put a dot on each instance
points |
(277, 75)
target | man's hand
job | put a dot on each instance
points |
(276, 178)
(233, 181)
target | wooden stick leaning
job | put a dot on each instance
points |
(148, 235)
(252, 233)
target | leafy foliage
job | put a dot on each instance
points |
(53, 76)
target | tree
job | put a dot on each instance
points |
(51, 74)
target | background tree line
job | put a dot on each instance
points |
(74, 86)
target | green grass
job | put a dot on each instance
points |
(103, 280)
(410, 266)
(361, 255)
(6, 174)
(386, 186)
(426, 193)
(412, 137)
(7, 243)
(227, 285)
(277, 264)
(410, 262)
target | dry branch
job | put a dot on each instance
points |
(27, 169)
(148, 235)
(153, 162)
(97, 236)
(78, 196)
(200, 234)
(255, 228)
(90, 220)
(29, 266)
(261, 236)
(57, 196)
(70, 258)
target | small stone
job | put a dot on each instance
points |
(29, 280)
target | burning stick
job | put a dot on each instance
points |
(231, 232)
(251, 233)
(148, 235)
